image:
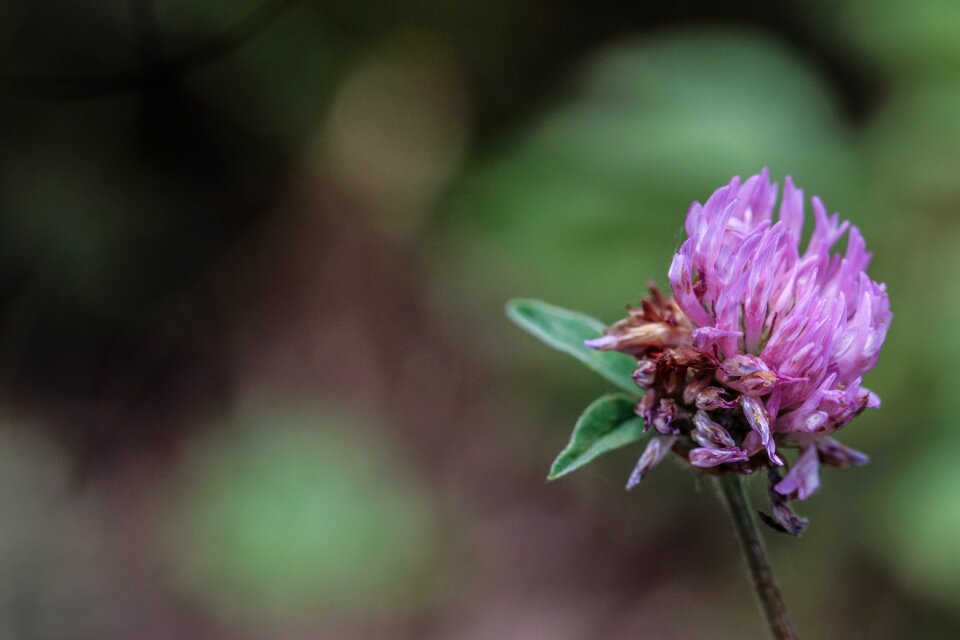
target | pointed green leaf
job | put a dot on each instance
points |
(566, 331)
(607, 424)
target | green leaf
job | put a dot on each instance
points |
(566, 331)
(607, 424)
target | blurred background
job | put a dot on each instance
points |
(255, 376)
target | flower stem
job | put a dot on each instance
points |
(761, 573)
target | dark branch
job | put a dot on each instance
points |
(100, 85)
(148, 38)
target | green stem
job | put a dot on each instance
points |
(761, 573)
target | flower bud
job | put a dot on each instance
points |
(664, 415)
(645, 373)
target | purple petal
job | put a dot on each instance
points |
(803, 479)
(771, 449)
(751, 443)
(704, 336)
(791, 209)
(757, 417)
(759, 420)
(796, 326)
(603, 342)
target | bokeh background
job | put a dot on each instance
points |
(255, 377)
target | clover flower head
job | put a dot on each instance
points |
(763, 344)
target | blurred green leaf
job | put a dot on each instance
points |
(566, 331)
(922, 517)
(908, 39)
(292, 513)
(607, 424)
(920, 123)
(586, 204)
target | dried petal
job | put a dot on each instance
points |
(713, 398)
(783, 518)
(755, 384)
(645, 373)
(759, 420)
(757, 417)
(709, 434)
(647, 406)
(658, 324)
(656, 449)
(747, 374)
(685, 357)
(705, 457)
(664, 415)
(839, 455)
(741, 365)
(695, 385)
